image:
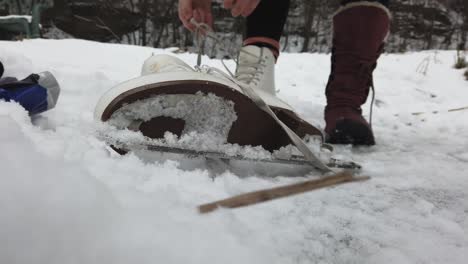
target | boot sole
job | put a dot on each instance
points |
(348, 132)
(253, 127)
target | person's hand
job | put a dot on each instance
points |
(241, 7)
(200, 10)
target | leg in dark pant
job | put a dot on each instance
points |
(269, 18)
(265, 25)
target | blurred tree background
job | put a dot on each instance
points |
(416, 25)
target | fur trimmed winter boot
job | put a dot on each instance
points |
(359, 32)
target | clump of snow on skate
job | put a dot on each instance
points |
(203, 114)
(66, 198)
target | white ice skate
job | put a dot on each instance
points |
(171, 96)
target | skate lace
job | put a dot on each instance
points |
(247, 72)
(251, 72)
(202, 32)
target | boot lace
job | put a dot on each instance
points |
(367, 70)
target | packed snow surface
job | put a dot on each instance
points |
(66, 198)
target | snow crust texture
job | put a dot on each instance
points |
(66, 198)
(201, 113)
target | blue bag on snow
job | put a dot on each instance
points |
(37, 93)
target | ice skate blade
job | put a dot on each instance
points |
(294, 163)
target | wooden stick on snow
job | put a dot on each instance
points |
(279, 192)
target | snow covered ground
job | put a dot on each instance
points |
(64, 198)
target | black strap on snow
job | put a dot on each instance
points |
(13, 83)
(1, 69)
